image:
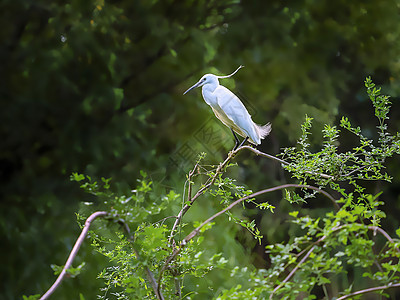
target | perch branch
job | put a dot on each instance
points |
(218, 171)
(258, 152)
(191, 199)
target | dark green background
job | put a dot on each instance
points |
(96, 87)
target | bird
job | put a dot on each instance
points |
(228, 108)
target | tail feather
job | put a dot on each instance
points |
(264, 130)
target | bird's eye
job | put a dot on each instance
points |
(204, 79)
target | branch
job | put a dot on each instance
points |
(370, 290)
(384, 233)
(258, 152)
(200, 191)
(293, 271)
(303, 260)
(181, 213)
(359, 169)
(74, 252)
(197, 230)
(218, 171)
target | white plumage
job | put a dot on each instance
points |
(228, 108)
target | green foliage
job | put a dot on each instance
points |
(72, 272)
(148, 257)
(31, 297)
(328, 167)
(147, 246)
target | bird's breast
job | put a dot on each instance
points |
(209, 97)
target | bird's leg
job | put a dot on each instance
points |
(237, 142)
(244, 141)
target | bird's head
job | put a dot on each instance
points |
(206, 79)
(209, 79)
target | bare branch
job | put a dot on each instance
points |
(258, 152)
(384, 233)
(370, 290)
(73, 253)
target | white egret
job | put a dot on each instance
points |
(228, 108)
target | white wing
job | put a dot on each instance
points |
(231, 111)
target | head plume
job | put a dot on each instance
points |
(230, 75)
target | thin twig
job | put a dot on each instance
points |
(293, 271)
(303, 260)
(358, 169)
(73, 253)
(258, 152)
(384, 233)
(190, 183)
(370, 290)
(191, 200)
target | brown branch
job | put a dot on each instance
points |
(370, 290)
(74, 252)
